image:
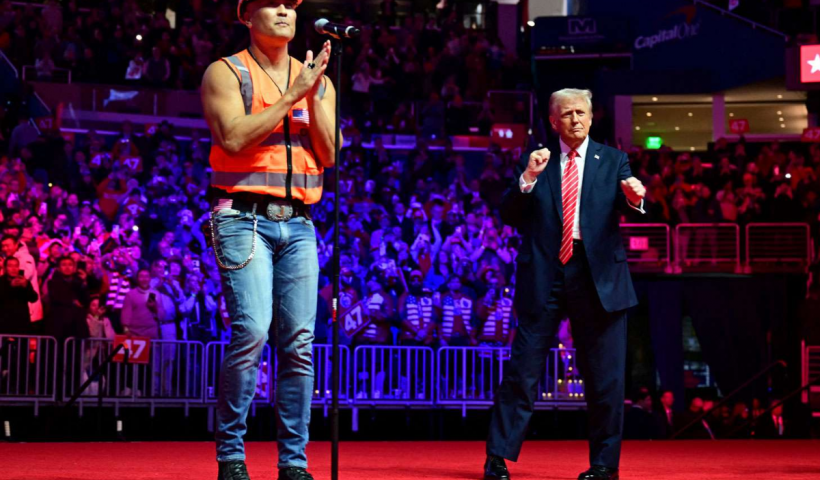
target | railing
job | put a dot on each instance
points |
(648, 245)
(393, 375)
(707, 244)
(754, 25)
(172, 375)
(59, 75)
(810, 372)
(186, 374)
(28, 368)
(322, 365)
(717, 247)
(215, 353)
(774, 244)
(468, 377)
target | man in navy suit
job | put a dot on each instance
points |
(572, 262)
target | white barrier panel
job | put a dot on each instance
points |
(28, 368)
(469, 375)
(393, 375)
(647, 245)
(173, 372)
(778, 243)
(215, 353)
(709, 244)
(322, 366)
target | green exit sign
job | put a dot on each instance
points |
(654, 143)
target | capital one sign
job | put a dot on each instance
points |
(681, 31)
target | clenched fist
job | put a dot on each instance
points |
(537, 164)
(634, 190)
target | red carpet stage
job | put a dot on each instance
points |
(778, 460)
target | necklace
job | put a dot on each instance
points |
(281, 93)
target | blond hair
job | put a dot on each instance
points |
(570, 93)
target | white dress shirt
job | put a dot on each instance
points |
(580, 161)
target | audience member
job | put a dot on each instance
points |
(691, 425)
(142, 309)
(67, 294)
(665, 416)
(639, 423)
(15, 295)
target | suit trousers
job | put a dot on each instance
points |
(600, 341)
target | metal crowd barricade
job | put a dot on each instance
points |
(562, 383)
(711, 245)
(173, 374)
(215, 353)
(322, 365)
(810, 371)
(28, 369)
(58, 75)
(468, 376)
(647, 246)
(778, 245)
(386, 375)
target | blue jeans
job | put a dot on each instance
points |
(280, 284)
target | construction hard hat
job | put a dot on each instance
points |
(243, 3)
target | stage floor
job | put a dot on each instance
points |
(773, 460)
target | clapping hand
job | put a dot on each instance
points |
(321, 62)
(311, 74)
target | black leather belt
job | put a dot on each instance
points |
(275, 209)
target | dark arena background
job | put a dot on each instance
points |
(104, 159)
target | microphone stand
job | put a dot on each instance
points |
(336, 49)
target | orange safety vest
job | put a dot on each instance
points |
(283, 165)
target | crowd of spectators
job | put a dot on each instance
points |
(104, 234)
(650, 418)
(429, 73)
(734, 183)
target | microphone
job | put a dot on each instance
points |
(336, 30)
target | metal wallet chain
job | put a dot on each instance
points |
(216, 242)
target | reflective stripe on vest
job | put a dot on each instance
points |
(246, 85)
(266, 179)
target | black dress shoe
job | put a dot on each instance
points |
(294, 473)
(597, 472)
(233, 471)
(495, 468)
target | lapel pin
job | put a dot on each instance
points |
(597, 157)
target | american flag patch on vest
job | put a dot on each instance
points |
(301, 115)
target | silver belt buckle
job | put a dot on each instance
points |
(279, 213)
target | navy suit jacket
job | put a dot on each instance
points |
(538, 216)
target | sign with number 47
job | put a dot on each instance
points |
(139, 349)
(355, 319)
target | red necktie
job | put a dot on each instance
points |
(569, 191)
